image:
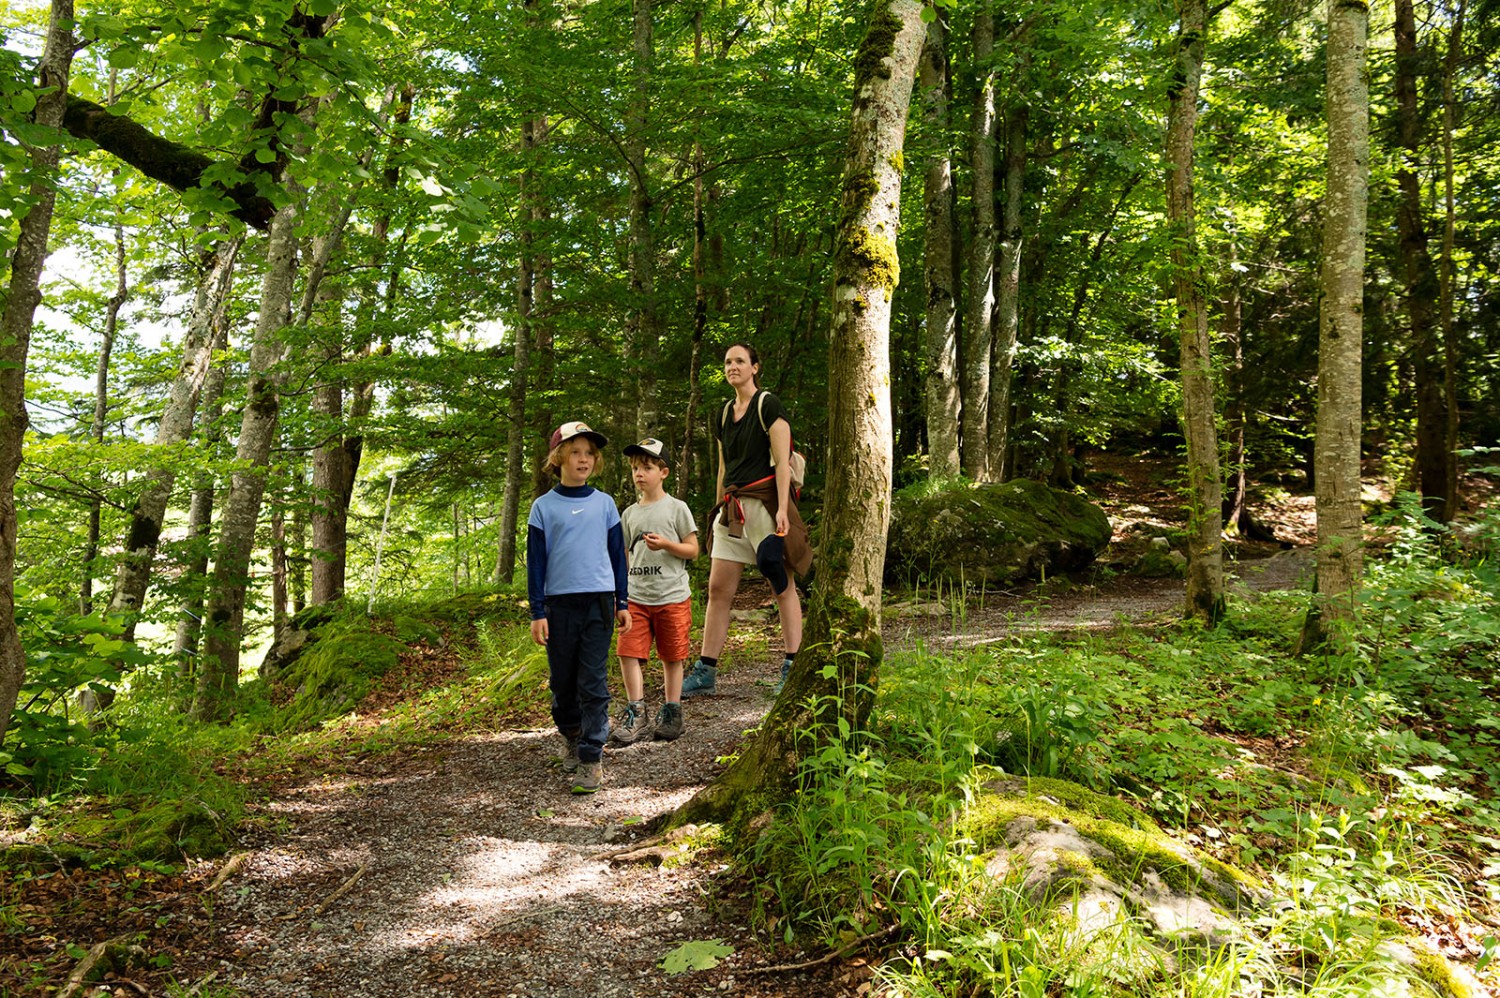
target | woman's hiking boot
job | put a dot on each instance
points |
(786, 668)
(700, 679)
(635, 725)
(669, 722)
(589, 778)
(570, 754)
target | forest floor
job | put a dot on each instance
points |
(465, 867)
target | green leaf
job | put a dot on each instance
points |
(264, 155)
(697, 954)
(24, 102)
(124, 58)
(322, 8)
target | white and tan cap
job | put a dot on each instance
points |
(577, 428)
(650, 447)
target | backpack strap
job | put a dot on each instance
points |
(760, 412)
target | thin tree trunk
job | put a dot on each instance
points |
(1340, 353)
(1445, 269)
(16, 321)
(219, 676)
(101, 403)
(685, 465)
(844, 617)
(1236, 510)
(642, 240)
(533, 128)
(980, 303)
(279, 615)
(133, 576)
(1205, 570)
(1008, 280)
(201, 505)
(1419, 278)
(942, 389)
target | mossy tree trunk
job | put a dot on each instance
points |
(1340, 354)
(17, 316)
(1205, 570)
(843, 618)
(942, 395)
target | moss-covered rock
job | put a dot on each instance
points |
(992, 534)
(336, 672)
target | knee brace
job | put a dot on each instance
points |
(770, 559)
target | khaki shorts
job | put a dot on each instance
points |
(758, 526)
(669, 624)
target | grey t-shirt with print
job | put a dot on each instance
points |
(657, 577)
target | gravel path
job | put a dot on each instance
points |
(480, 874)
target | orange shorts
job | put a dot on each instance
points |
(669, 624)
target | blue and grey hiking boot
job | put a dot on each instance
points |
(634, 726)
(786, 668)
(590, 777)
(700, 679)
(669, 722)
(570, 754)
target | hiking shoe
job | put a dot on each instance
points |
(786, 667)
(635, 725)
(700, 679)
(669, 722)
(589, 777)
(570, 754)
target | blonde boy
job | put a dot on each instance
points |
(660, 539)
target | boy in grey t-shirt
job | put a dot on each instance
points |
(660, 539)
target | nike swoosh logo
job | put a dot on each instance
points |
(575, 512)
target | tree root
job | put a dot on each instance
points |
(344, 889)
(829, 957)
(236, 863)
(97, 952)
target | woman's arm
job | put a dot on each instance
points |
(720, 491)
(781, 456)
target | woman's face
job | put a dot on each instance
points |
(737, 367)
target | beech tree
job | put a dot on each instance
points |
(843, 626)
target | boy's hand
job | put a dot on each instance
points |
(539, 631)
(623, 617)
(654, 541)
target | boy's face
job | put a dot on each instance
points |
(648, 476)
(578, 460)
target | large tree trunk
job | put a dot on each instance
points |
(16, 320)
(1340, 327)
(647, 340)
(1008, 279)
(1420, 278)
(224, 620)
(942, 395)
(133, 576)
(1445, 281)
(844, 616)
(338, 453)
(980, 303)
(1205, 571)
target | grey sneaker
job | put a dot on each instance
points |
(635, 725)
(700, 679)
(570, 754)
(786, 667)
(669, 722)
(589, 778)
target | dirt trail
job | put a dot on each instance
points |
(482, 875)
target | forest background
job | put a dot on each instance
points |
(323, 277)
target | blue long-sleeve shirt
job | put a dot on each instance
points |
(575, 544)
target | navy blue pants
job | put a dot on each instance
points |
(579, 629)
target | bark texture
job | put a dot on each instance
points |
(101, 409)
(642, 240)
(980, 302)
(1205, 570)
(1008, 281)
(844, 616)
(1445, 267)
(218, 676)
(1341, 318)
(16, 320)
(942, 395)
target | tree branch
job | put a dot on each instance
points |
(174, 164)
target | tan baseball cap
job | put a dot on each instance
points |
(577, 428)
